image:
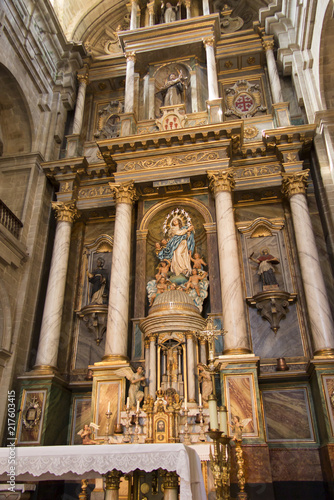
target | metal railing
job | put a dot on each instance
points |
(9, 220)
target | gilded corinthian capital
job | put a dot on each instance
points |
(113, 479)
(65, 212)
(295, 183)
(124, 193)
(221, 180)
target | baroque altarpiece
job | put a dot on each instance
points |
(184, 201)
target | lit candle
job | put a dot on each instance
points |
(128, 403)
(213, 412)
(200, 399)
(109, 407)
(138, 406)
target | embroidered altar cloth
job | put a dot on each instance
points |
(91, 461)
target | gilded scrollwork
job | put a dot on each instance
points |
(173, 161)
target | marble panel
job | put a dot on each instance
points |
(32, 406)
(241, 402)
(288, 464)
(328, 384)
(287, 342)
(287, 415)
(87, 350)
(108, 391)
(137, 343)
(81, 415)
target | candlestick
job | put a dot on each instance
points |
(126, 438)
(128, 403)
(109, 407)
(136, 431)
(201, 423)
(187, 439)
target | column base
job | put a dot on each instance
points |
(128, 124)
(281, 113)
(44, 370)
(113, 359)
(238, 351)
(324, 352)
(215, 111)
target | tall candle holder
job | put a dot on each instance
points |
(187, 439)
(242, 495)
(136, 431)
(201, 423)
(126, 437)
(220, 463)
(108, 415)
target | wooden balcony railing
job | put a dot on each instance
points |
(9, 220)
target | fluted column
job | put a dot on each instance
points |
(275, 84)
(113, 479)
(191, 368)
(170, 486)
(209, 44)
(133, 18)
(118, 307)
(129, 82)
(206, 8)
(48, 345)
(236, 339)
(294, 187)
(80, 104)
(153, 368)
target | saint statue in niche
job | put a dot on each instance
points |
(173, 88)
(99, 280)
(169, 12)
(266, 269)
(180, 268)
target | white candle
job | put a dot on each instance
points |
(200, 399)
(185, 404)
(213, 412)
(109, 407)
(128, 403)
(223, 420)
(137, 405)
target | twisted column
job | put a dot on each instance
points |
(80, 104)
(236, 339)
(322, 329)
(47, 353)
(118, 307)
(129, 82)
(275, 84)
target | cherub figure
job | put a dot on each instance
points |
(162, 287)
(237, 427)
(198, 261)
(205, 377)
(163, 269)
(137, 380)
(86, 432)
(194, 280)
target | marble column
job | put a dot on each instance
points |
(153, 367)
(322, 329)
(275, 84)
(236, 340)
(80, 104)
(150, 7)
(118, 307)
(187, 4)
(47, 352)
(147, 362)
(202, 351)
(209, 44)
(129, 82)
(190, 368)
(133, 17)
(170, 483)
(113, 479)
(206, 7)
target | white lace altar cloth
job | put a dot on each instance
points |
(91, 461)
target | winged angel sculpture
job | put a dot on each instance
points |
(137, 380)
(86, 432)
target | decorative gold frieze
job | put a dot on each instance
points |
(257, 171)
(124, 193)
(221, 180)
(295, 183)
(65, 211)
(176, 160)
(95, 192)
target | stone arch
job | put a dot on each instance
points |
(326, 59)
(5, 320)
(15, 122)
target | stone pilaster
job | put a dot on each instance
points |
(48, 345)
(236, 340)
(322, 329)
(118, 307)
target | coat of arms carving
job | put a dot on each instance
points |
(243, 99)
